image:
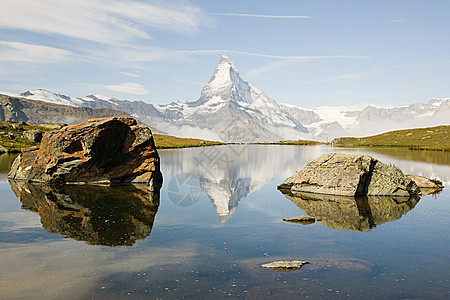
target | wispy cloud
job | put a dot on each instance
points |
(399, 21)
(282, 60)
(131, 74)
(102, 21)
(292, 57)
(351, 75)
(127, 88)
(22, 52)
(262, 16)
(269, 67)
(338, 77)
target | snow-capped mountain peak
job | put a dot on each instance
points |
(226, 84)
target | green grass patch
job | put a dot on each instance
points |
(11, 135)
(430, 138)
(296, 142)
(167, 141)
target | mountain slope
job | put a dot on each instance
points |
(15, 109)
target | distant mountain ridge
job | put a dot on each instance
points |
(232, 110)
(17, 109)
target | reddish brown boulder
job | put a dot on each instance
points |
(101, 151)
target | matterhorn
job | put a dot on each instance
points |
(234, 110)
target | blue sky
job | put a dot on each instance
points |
(306, 53)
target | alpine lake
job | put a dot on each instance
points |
(216, 220)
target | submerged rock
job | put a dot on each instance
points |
(351, 175)
(304, 220)
(101, 151)
(285, 265)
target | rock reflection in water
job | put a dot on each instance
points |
(352, 213)
(98, 215)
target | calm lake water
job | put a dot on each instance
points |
(217, 219)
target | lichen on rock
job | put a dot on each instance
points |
(351, 175)
(100, 151)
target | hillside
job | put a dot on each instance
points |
(293, 142)
(17, 109)
(430, 138)
(167, 141)
(11, 135)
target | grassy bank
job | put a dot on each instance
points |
(297, 142)
(168, 141)
(431, 138)
(11, 135)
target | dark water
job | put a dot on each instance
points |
(217, 219)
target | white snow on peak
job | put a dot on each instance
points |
(102, 97)
(10, 94)
(46, 96)
(438, 101)
(227, 84)
(95, 97)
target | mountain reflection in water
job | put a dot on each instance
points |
(98, 215)
(226, 174)
(352, 213)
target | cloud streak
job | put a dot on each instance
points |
(131, 74)
(354, 75)
(127, 88)
(399, 21)
(269, 67)
(102, 21)
(292, 57)
(338, 77)
(23, 52)
(261, 16)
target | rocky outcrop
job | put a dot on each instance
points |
(351, 175)
(101, 151)
(97, 215)
(3, 149)
(352, 213)
(33, 135)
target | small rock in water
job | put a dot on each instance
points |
(285, 265)
(304, 220)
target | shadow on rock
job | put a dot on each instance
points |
(98, 215)
(352, 213)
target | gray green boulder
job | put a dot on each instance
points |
(351, 175)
